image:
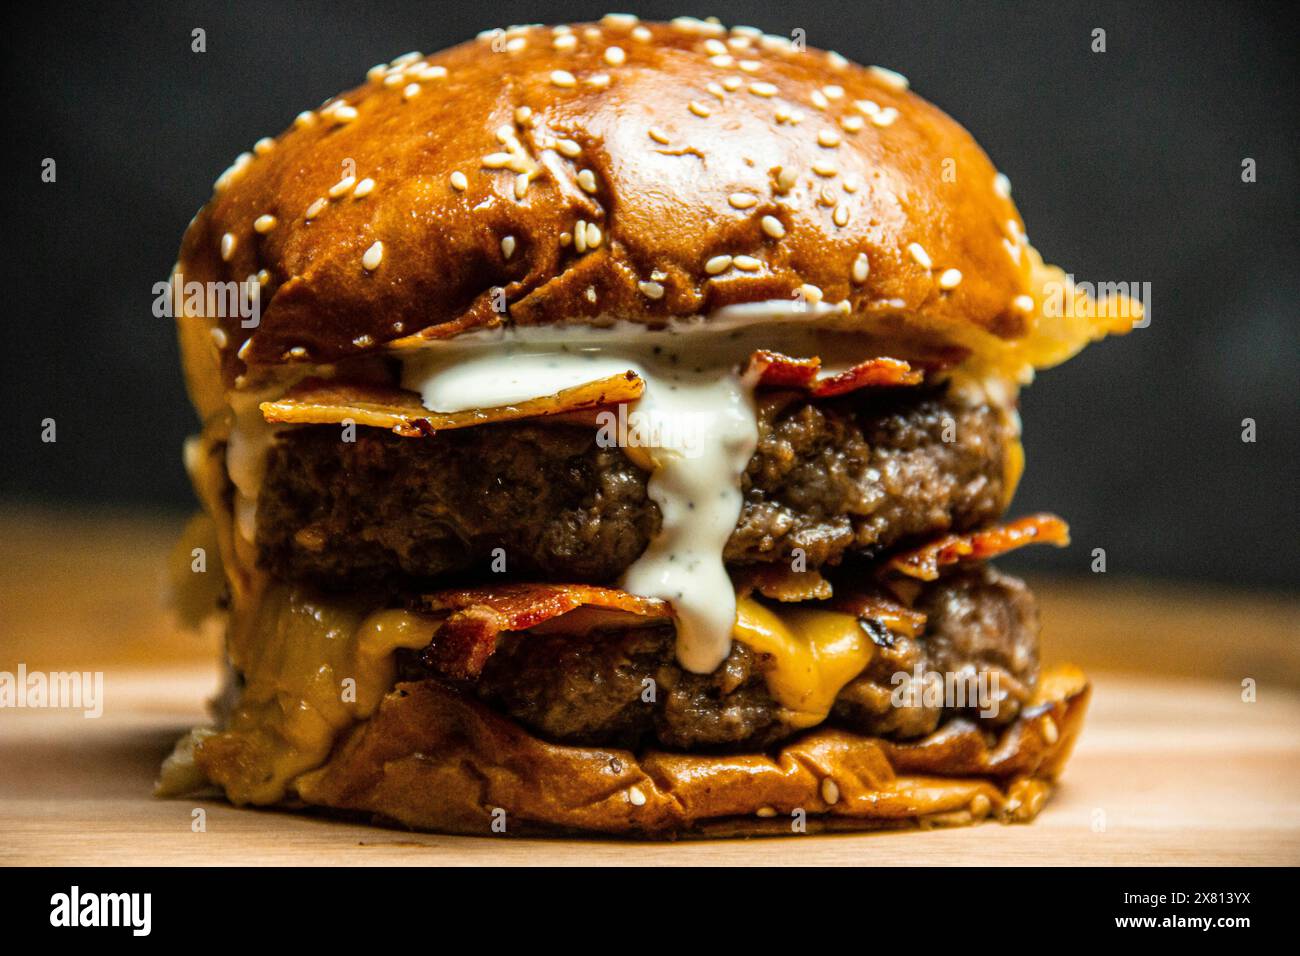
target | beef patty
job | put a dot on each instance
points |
(625, 688)
(856, 474)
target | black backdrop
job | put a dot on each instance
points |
(1126, 166)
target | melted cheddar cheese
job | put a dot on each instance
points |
(814, 653)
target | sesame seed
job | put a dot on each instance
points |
(580, 236)
(830, 791)
(459, 182)
(715, 46)
(762, 89)
(1050, 732)
(642, 34)
(394, 79)
(950, 279)
(430, 72)
(406, 58)
(343, 114)
(766, 812)
(782, 114)
(658, 135)
(620, 19)
(828, 138)
(412, 90)
(699, 109)
(297, 352)
(635, 797)
(1024, 303)
(833, 91)
(885, 117)
(722, 60)
(716, 90)
(263, 146)
(918, 253)
(895, 81)
(850, 184)
(867, 107)
(861, 268)
(497, 160)
(364, 188)
(785, 180)
(823, 168)
(568, 147)
(373, 256)
(515, 44)
(594, 235)
(343, 185)
(304, 119)
(587, 180)
(773, 227)
(836, 60)
(841, 215)
(819, 100)
(565, 41)
(749, 66)
(742, 200)
(598, 80)
(264, 224)
(718, 264)
(811, 294)
(508, 246)
(377, 72)
(521, 185)
(851, 123)
(227, 247)
(615, 56)
(522, 114)
(563, 78)
(651, 290)
(1002, 185)
(747, 263)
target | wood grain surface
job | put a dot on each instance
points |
(1174, 767)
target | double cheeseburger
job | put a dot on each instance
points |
(618, 445)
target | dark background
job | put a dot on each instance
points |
(1126, 166)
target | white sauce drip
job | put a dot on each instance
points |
(694, 392)
(698, 425)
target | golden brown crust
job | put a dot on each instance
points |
(734, 117)
(433, 759)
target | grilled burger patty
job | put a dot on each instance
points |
(856, 474)
(592, 689)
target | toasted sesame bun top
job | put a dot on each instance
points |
(616, 170)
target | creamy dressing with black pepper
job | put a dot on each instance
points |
(695, 421)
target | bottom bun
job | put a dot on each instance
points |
(432, 758)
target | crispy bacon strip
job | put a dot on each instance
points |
(894, 616)
(476, 617)
(925, 562)
(774, 370)
(323, 402)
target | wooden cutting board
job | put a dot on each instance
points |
(1174, 767)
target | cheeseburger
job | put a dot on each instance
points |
(618, 445)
